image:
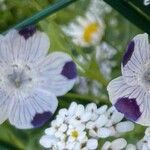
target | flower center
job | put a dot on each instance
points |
(19, 76)
(143, 77)
(74, 134)
(90, 30)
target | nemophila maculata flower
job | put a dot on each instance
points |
(86, 31)
(31, 79)
(130, 93)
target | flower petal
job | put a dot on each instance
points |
(34, 110)
(119, 144)
(20, 49)
(132, 101)
(145, 109)
(57, 73)
(5, 106)
(136, 55)
(127, 99)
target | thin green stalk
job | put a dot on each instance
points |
(44, 13)
(86, 97)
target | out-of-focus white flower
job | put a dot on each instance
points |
(104, 55)
(117, 144)
(86, 86)
(3, 6)
(86, 31)
(30, 79)
(146, 2)
(99, 7)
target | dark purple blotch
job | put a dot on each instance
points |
(128, 53)
(128, 107)
(41, 118)
(69, 70)
(27, 31)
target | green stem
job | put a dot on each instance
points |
(11, 138)
(96, 76)
(86, 97)
(17, 142)
(44, 13)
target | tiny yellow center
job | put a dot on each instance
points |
(74, 134)
(89, 30)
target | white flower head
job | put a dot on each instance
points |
(30, 79)
(130, 93)
(80, 127)
(86, 31)
(69, 128)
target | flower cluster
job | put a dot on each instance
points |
(80, 127)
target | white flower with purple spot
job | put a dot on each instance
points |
(30, 79)
(130, 93)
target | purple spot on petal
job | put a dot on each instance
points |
(129, 108)
(128, 53)
(69, 70)
(28, 31)
(40, 119)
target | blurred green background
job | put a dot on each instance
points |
(118, 33)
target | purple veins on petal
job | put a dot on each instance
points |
(69, 70)
(27, 31)
(128, 53)
(129, 108)
(41, 118)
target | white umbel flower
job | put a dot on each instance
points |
(79, 127)
(30, 79)
(86, 31)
